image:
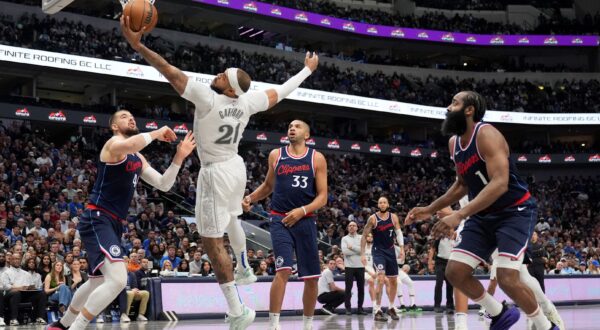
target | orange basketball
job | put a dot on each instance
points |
(141, 14)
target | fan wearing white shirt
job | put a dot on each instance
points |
(22, 286)
(221, 115)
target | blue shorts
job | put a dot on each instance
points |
(384, 260)
(101, 236)
(300, 239)
(509, 230)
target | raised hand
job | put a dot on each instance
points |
(311, 61)
(133, 38)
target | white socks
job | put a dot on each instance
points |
(461, 321)
(308, 322)
(273, 321)
(491, 305)
(539, 319)
(68, 318)
(237, 238)
(413, 300)
(233, 299)
(80, 322)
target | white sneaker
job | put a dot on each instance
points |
(14, 322)
(461, 327)
(482, 311)
(275, 327)
(244, 277)
(125, 318)
(142, 318)
(555, 318)
(241, 322)
(100, 318)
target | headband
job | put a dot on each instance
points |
(233, 80)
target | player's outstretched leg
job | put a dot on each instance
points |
(115, 280)
(547, 306)
(239, 316)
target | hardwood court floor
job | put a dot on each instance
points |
(579, 318)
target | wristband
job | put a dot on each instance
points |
(147, 138)
(303, 209)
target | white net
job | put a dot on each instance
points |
(54, 6)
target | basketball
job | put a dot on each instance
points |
(141, 14)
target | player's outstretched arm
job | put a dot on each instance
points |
(266, 188)
(275, 95)
(176, 77)
(118, 148)
(165, 181)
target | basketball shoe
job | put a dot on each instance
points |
(244, 277)
(241, 322)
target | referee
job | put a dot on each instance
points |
(354, 267)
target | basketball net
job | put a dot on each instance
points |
(124, 2)
(54, 6)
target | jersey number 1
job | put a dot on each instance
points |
(229, 130)
(482, 177)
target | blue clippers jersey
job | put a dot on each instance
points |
(115, 185)
(383, 233)
(471, 167)
(294, 181)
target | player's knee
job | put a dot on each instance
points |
(456, 272)
(507, 278)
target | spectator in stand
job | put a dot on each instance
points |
(206, 269)
(196, 263)
(167, 269)
(56, 287)
(262, 269)
(23, 287)
(183, 267)
(174, 260)
(45, 266)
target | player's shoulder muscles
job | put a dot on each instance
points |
(451, 143)
(145, 163)
(491, 143)
(109, 152)
(273, 156)
(320, 162)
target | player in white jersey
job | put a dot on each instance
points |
(221, 115)
(403, 278)
(370, 275)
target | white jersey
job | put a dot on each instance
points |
(369, 257)
(219, 121)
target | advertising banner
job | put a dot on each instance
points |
(395, 32)
(59, 116)
(144, 72)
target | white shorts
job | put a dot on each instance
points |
(219, 195)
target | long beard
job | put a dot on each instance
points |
(3, 263)
(129, 132)
(455, 123)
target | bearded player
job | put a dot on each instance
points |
(501, 213)
(119, 169)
